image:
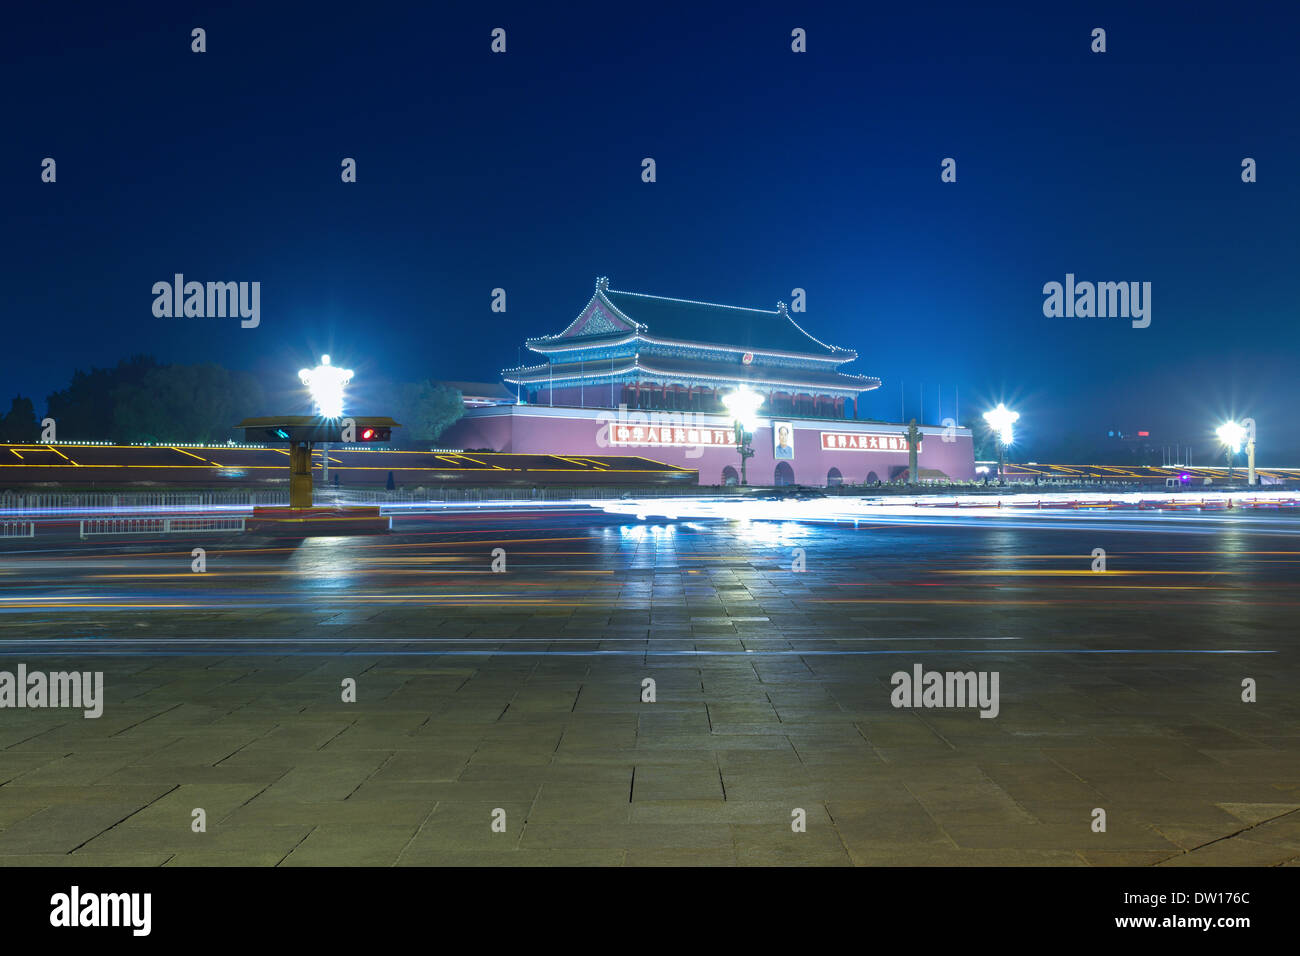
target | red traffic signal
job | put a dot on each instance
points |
(372, 433)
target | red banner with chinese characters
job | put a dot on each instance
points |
(664, 436)
(865, 441)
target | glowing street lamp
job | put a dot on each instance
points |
(1232, 435)
(743, 405)
(1000, 420)
(325, 382)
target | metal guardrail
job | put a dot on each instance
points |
(73, 504)
(455, 495)
(18, 504)
(17, 529)
(103, 526)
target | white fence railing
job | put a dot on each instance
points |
(128, 502)
(98, 526)
(78, 504)
(452, 495)
(17, 529)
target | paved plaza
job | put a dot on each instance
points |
(516, 697)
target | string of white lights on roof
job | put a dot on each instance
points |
(636, 366)
(843, 357)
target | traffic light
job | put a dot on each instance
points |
(313, 429)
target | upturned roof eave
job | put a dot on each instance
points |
(547, 374)
(547, 345)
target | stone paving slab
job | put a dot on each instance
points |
(351, 845)
(789, 709)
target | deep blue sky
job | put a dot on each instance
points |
(775, 170)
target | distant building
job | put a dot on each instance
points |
(650, 352)
(479, 394)
(647, 374)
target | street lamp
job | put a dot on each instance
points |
(1232, 434)
(1000, 420)
(1251, 478)
(325, 383)
(743, 405)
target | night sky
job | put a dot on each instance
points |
(775, 170)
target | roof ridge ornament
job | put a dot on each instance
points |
(602, 284)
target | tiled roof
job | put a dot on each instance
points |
(714, 324)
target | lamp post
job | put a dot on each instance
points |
(1232, 434)
(1251, 478)
(325, 383)
(743, 406)
(1000, 420)
(913, 447)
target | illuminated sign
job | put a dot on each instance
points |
(865, 441)
(669, 436)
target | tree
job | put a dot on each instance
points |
(20, 424)
(184, 403)
(84, 410)
(983, 441)
(140, 400)
(426, 410)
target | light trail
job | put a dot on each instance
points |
(934, 509)
(901, 652)
(167, 641)
(768, 508)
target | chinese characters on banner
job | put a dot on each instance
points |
(664, 436)
(871, 441)
(667, 436)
